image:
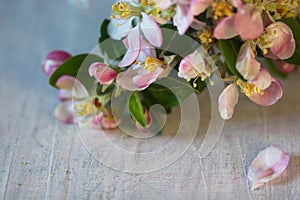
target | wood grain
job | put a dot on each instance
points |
(41, 158)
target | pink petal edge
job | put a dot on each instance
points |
(268, 165)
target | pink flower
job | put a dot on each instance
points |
(102, 73)
(129, 13)
(77, 102)
(229, 97)
(185, 11)
(145, 70)
(279, 39)
(191, 66)
(247, 23)
(260, 86)
(133, 41)
(53, 60)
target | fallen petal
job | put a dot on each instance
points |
(268, 165)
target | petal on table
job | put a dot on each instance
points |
(227, 101)
(151, 30)
(268, 165)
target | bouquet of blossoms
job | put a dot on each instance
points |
(247, 43)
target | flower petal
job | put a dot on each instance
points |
(225, 28)
(147, 50)
(64, 112)
(227, 101)
(271, 95)
(191, 65)
(199, 6)
(246, 63)
(64, 95)
(142, 81)
(134, 45)
(103, 74)
(249, 24)
(238, 4)
(283, 42)
(70, 83)
(151, 30)
(183, 18)
(268, 165)
(163, 4)
(118, 29)
(263, 80)
(124, 79)
(53, 60)
(108, 123)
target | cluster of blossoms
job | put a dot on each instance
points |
(258, 32)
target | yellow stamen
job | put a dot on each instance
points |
(222, 9)
(152, 64)
(84, 109)
(248, 88)
(206, 37)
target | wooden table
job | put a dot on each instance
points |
(41, 158)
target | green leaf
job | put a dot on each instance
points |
(168, 92)
(73, 66)
(230, 49)
(295, 27)
(113, 48)
(136, 109)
